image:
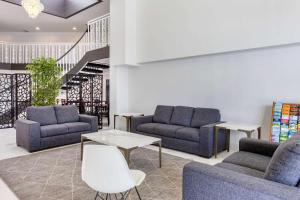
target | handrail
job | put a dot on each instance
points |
(73, 45)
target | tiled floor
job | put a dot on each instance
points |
(9, 149)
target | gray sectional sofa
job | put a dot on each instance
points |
(260, 170)
(52, 126)
(182, 128)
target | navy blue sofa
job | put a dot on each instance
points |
(53, 126)
(182, 128)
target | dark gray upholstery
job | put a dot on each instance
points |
(284, 166)
(45, 115)
(240, 179)
(241, 169)
(187, 133)
(148, 127)
(33, 136)
(206, 182)
(53, 130)
(198, 141)
(248, 159)
(65, 114)
(182, 115)
(261, 147)
(203, 116)
(77, 127)
(163, 114)
(167, 130)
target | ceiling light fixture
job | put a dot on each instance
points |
(37, 28)
(33, 7)
(74, 28)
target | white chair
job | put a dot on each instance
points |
(105, 170)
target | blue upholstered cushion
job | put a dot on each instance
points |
(146, 128)
(250, 160)
(284, 166)
(45, 115)
(166, 130)
(66, 114)
(78, 127)
(187, 133)
(203, 116)
(163, 114)
(53, 130)
(182, 115)
(241, 169)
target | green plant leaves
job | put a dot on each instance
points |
(46, 81)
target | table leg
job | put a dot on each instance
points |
(127, 155)
(216, 130)
(259, 132)
(159, 151)
(228, 139)
(81, 150)
(127, 124)
(115, 121)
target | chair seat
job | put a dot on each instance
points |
(166, 130)
(54, 130)
(138, 176)
(146, 128)
(190, 134)
(241, 169)
(78, 127)
(250, 160)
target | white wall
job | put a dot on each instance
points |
(242, 85)
(22, 37)
(176, 28)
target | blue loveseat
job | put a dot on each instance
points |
(53, 126)
(182, 128)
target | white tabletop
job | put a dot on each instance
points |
(238, 126)
(129, 114)
(121, 139)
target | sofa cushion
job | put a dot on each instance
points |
(250, 160)
(182, 115)
(166, 130)
(66, 114)
(241, 169)
(187, 133)
(53, 130)
(146, 128)
(203, 116)
(78, 127)
(284, 166)
(163, 114)
(45, 115)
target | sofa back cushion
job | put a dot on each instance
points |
(66, 114)
(203, 116)
(163, 114)
(284, 166)
(45, 115)
(182, 115)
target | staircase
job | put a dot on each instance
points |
(88, 56)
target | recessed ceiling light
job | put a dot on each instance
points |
(74, 28)
(37, 28)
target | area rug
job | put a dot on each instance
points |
(56, 175)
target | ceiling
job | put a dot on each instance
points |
(13, 18)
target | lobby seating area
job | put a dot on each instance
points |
(149, 100)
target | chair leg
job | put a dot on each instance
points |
(138, 193)
(97, 194)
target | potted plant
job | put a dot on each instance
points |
(46, 81)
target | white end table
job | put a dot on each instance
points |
(128, 117)
(229, 126)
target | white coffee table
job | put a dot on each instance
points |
(124, 140)
(249, 129)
